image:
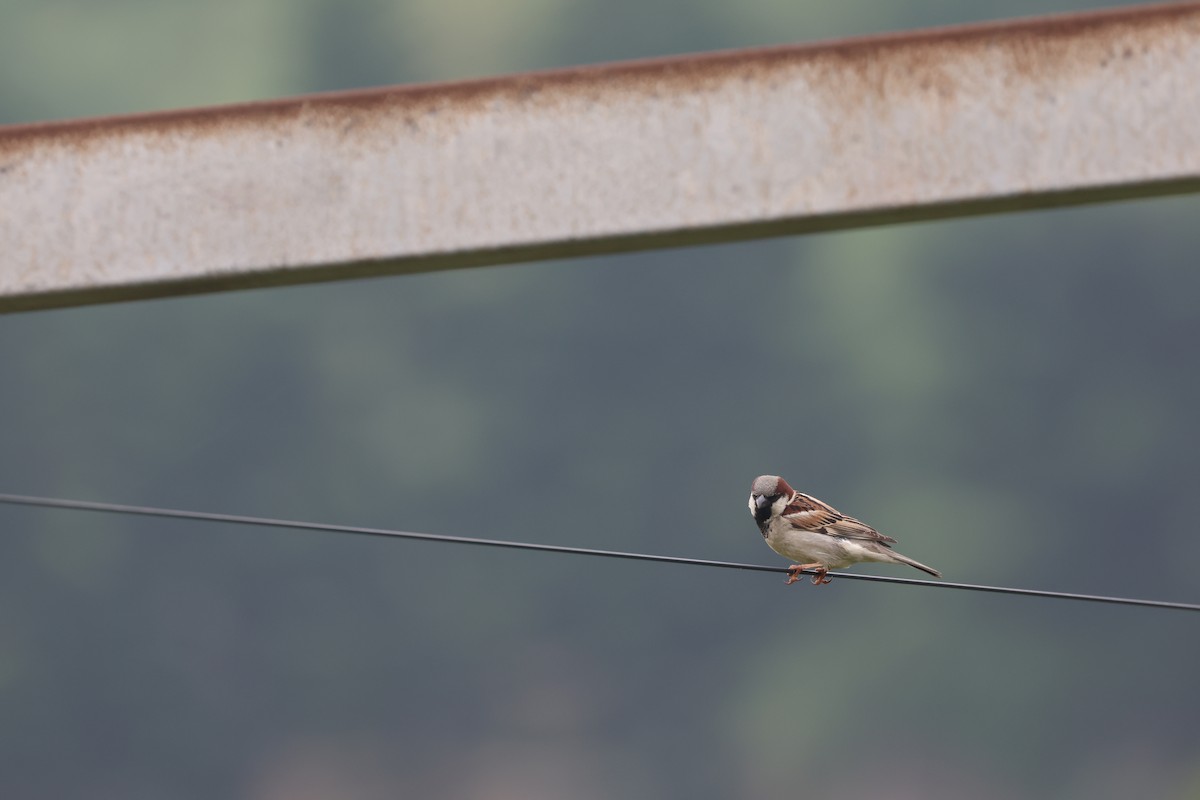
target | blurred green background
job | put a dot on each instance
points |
(1014, 398)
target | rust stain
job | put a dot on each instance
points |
(922, 61)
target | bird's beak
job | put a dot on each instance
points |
(759, 502)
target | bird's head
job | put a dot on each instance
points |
(768, 492)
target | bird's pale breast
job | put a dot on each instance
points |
(812, 547)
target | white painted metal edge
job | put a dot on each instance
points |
(707, 148)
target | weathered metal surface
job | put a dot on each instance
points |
(1034, 113)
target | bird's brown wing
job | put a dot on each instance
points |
(809, 513)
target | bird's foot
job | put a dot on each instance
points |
(795, 570)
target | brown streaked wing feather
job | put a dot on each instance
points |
(805, 511)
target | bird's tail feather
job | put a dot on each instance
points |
(914, 563)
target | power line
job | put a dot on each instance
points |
(238, 519)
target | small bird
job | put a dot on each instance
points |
(816, 534)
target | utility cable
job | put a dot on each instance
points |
(237, 519)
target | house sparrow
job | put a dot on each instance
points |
(816, 534)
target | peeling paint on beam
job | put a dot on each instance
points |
(1028, 114)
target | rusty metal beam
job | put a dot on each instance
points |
(1027, 114)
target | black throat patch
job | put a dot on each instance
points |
(762, 513)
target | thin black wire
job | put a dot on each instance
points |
(205, 516)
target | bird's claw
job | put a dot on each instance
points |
(820, 576)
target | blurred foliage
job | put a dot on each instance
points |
(1013, 397)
